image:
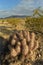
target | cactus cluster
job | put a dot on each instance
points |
(21, 44)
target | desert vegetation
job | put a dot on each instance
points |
(22, 48)
(21, 40)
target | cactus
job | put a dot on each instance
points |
(22, 43)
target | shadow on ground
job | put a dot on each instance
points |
(38, 62)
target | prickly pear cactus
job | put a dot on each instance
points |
(22, 46)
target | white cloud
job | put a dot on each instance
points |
(24, 8)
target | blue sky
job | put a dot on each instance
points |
(8, 4)
(19, 7)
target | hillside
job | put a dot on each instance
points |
(9, 24)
